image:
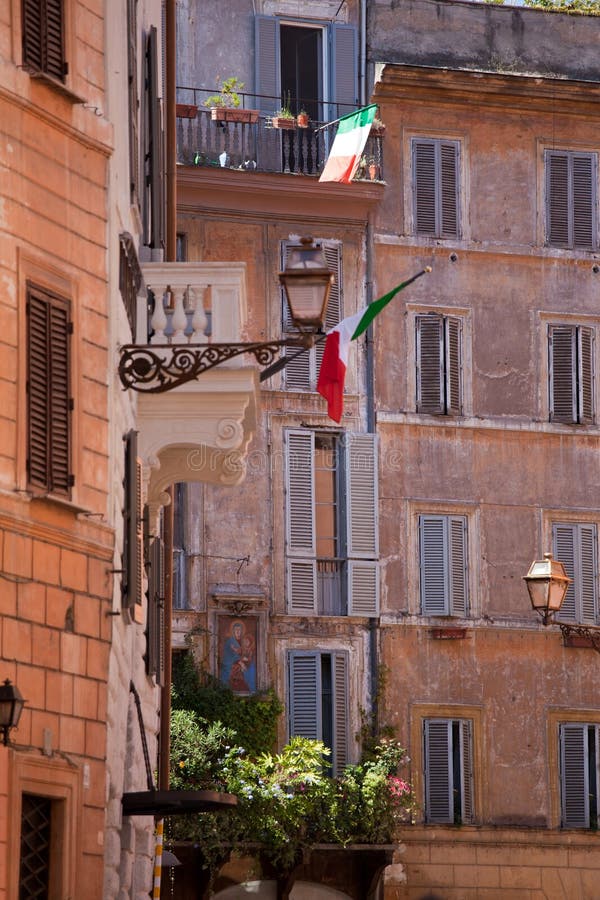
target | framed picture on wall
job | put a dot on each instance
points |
(237, 641)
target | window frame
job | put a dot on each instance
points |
(580, 415)
(449, 364)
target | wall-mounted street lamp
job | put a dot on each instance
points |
(11, 707)
(306, 281)
(547, 582)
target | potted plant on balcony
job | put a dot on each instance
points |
(225, 106)
(284, 118)
(302, 119)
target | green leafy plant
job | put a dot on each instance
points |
(228, 96)
(285, 111)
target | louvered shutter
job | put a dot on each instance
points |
(588, 574)
(424, 187)
(574, 775)
(584, 201)
(448, 224)
(438, 773)
(557, 199)
(155, 150)
(43, 37)
(48, 392)
(563, 540)
(362, 530)
(156, 612)
(133, 100)
(363, 587)
(305, 708)
(433, 559)
(466, 770)
(267, 62)
(54, 49)
(453, 354)
(133, 561)
(585, 363)
(430, 364)
(340, 756)
(300, 522)
(32, 18)
(562, 373)
(457, 570)
(344, 74)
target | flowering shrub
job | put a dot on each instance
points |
(286, 802)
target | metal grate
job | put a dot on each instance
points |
(36, 817)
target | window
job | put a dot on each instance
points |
(571, 374)
(152, 188)
(575, 545)
(435, 174)
(132, 581)
(448, 770)
(318, 701)
(43, 37)
(36, 840)
(331, 524)
(439, 364)
(443, 565)
(133, 102)
(301, 373)
(571, 199)
(311, 62)
(579, 754)
(49, 402)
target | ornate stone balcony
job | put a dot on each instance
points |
(192, 426)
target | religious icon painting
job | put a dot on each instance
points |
(236, 652)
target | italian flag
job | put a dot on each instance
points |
(348, 145)
(332, 373)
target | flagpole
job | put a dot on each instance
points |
(282, 363)
(345, 116)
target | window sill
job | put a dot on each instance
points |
(56, 85)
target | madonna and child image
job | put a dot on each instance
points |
(237, 653)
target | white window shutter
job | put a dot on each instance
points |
(363, 588)
(299, 374)
(360, 452)
(339, 675)
(439, 783)
(563, 541)
(574, 775)
(585, 363)
(305, 695)
(433, 560)
(466, 762)
(453, 353)
(562, 372)
(332, 251)
(457, 569)
(588, 579)
(430, 364)
(301, 586)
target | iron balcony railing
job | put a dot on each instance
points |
(259, 146)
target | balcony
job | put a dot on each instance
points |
(259, 146)
(192, 427)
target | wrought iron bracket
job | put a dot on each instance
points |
(580, 636)
(157, 368)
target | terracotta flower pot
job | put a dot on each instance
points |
(233, 114)
(283, 122)
(302, 120)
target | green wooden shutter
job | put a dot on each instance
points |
(49, 403)
(453, 367)
(438, 770)
(574, 776)
(562, 373)
(585, 374)
(305, 709)
(301, 575)
(267, 62)
(340, 755)
(430, 364)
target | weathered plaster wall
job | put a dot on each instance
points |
(450, 34)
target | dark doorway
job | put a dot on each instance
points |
(302, 69)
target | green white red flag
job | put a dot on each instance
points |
(332, 374)
(348, 145)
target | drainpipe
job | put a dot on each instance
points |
(371, 424)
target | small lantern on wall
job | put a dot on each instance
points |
(11, 707)
(547, 582)
(307, 282)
